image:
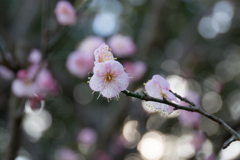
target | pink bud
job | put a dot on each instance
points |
(35, 56)
(65, 13)
(22, 74)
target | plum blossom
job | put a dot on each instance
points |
(122, 46)
(65, 13)
(109, 79)
(45, 83)
(90, 44)
(190, 119)
(136, 70)
(79, 64)
(102, 54)
(22, 86)
(158, 87)
(35, 56)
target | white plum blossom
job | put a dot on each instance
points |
(109, 79)
(158, 87)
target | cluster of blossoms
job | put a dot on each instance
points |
(110, 79)
(33, 82)
(109, 76)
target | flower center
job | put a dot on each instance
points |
(108, 78)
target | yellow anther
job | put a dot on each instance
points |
(115, 58)
(144, 84)
(87, 81)
(88, 77)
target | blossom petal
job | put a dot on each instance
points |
(170, 96)
(96, 83)
(152, 89)
(163, 83)
(123, 81)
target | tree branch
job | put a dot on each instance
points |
(192, 108)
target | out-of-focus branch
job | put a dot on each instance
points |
(16, 107)
(192, 108)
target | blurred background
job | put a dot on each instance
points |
(194, 44)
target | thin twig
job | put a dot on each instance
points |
(192, 108)
(229, 141)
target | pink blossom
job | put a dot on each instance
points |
(6, 73)
(158, 87)
(87, 136)
(45, 83)
(122, 46)
(23, 88)
(35, 56)
(109, 79)
(102, 54)
(79, 64)
(191, 119)
(65, 13)
(90, 44)
(136, 70)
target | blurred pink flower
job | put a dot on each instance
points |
(102, 54)
(87, 136)
(23, 88)
(109, 79)
(65, 13)
(136, 70)
(45, 83)
(35, 56)
(67, 154)
(198, 140)
(79, 64)
(90, 44)
(190, 119)
(6, 73)
(122, 46)
(158, 87)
